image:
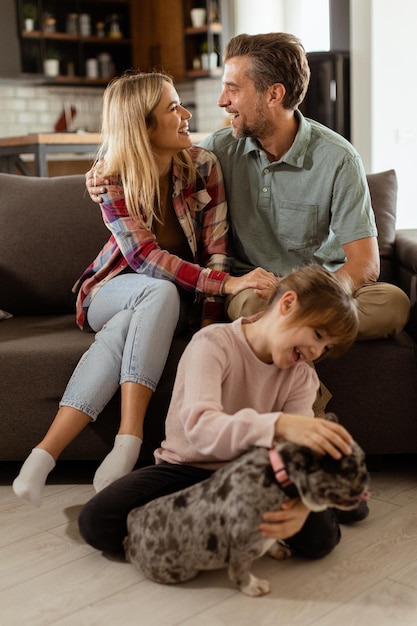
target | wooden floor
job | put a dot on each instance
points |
(49, 576)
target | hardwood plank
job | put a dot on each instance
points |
(154, 605)
(385, 604)
(63, 590)
(23, 521)
(406, 575)
(26, 559)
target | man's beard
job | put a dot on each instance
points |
(260, 129)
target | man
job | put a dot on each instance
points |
(296, 190)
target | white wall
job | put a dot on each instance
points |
(385, 93)
(361, 79)
(384, 88)
(308, 19)
(258, 16)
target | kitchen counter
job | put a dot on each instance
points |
(40, 145)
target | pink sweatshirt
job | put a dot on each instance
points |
(225, 399)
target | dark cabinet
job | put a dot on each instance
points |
(9, 41)
(328, 96)
(90, 40)
(164, 36)
(158, 36)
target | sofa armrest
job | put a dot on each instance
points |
(406, 258)
(406, 248)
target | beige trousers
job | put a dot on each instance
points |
(383, 312)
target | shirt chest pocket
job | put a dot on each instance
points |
(199, 200)
(298, 225)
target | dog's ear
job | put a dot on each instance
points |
(299, 457)
(332, 417)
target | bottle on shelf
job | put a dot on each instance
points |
(91, 68)
(72, 24)
(85, 25)
(100, 32)
(105, 65)
(114, 31)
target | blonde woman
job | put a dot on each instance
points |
(166, 212)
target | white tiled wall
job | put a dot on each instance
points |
(209, 116)
(204, 94)
(29, 108)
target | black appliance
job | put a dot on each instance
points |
(328, 96)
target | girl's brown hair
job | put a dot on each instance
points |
(326, 302)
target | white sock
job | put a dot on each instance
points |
(119, 462)
(32, 476)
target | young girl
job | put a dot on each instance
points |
(168, 244)
(239, 385)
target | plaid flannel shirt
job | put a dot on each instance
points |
(202, 213)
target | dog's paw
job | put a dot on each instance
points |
(256, 587)
(279, 551)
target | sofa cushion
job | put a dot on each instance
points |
(50, 230)
(375, 393)
(383, 188)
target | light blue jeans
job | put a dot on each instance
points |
(135, 317)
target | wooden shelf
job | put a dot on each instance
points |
(73, 48)
(214, 27)
(76, 80)
(40, 34)
(217, 71)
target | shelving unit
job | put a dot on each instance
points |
(203, 43)
(155, 34)
(51, 38)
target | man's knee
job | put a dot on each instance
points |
(384, 310)
(244, 304)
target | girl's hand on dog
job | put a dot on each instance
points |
(323, 436)
(286, 522)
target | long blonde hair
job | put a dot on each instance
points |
(126, 153)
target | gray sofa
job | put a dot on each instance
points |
(50, 230)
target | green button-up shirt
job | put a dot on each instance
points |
(297, 210)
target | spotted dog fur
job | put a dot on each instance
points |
(215, 523)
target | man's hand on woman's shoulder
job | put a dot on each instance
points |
(95, 186)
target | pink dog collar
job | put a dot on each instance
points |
(279, 468)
